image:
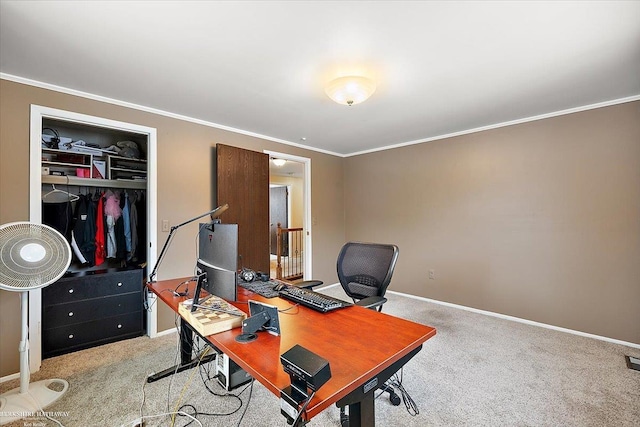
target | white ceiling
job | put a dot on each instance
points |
(290, 169)
(260, 67)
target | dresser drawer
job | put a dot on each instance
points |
(69, 338)
(90, 309)
(69, 289)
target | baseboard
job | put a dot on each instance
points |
(507, 317)
(520, 320)
(166, 332)
(10, 377)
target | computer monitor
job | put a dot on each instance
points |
(216, 281)
(217, 265)
(218, 245)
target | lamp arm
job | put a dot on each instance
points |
(214, 213)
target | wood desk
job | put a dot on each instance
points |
(361, 345)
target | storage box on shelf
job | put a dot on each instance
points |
(125, 168)
(67, 163)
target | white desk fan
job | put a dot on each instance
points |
(32, 256)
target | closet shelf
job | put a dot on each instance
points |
(91, 182)
(74, 165)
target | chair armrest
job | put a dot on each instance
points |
(371, 302)
(308, 284)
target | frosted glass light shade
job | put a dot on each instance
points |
(350, 90)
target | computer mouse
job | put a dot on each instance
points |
(279, 287)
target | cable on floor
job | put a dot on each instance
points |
(186, 385)
(207, 378)
(396, 382)
(195, 413)
(184, 414)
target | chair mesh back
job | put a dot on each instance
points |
(365, 269)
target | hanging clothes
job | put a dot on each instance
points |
(133, 220)
(76, 250)
(127, 224)
(78, 236)
(112, 212)
(89, 246)
(121, 246)
(141, 207)
(58, 215)
(101, 249)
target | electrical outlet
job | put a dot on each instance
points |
(165, 225)
(432, 274)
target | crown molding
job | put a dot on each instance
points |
(503, 124)
(125, 104)
(100, 98)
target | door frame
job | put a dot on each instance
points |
(38, 113)
(306, 215)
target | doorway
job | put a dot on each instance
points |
(278, 215)
(295, 177)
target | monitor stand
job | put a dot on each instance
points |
(251, 325)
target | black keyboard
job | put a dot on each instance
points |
(311, 299)
(261, 288)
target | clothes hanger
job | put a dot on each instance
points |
(57, 196)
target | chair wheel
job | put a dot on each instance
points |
(395, 399)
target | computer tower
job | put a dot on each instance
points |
(230, 375)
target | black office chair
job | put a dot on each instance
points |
(364, 271)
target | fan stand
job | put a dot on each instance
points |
(29, 399)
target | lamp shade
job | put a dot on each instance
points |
(350, 90)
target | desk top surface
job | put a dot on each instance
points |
(357, 342)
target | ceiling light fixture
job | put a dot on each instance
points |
(279, 162)
(350, 90)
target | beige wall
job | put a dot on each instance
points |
(184, 187)
(539, 220)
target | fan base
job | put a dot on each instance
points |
(30, 404)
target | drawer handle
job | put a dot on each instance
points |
(70, 291)
(71, 336)
(70, 313)
(119, 284)
(119, 326)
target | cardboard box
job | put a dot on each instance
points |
(99, 169)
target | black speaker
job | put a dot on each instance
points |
(248, 275)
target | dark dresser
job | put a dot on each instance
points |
(92, 308)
